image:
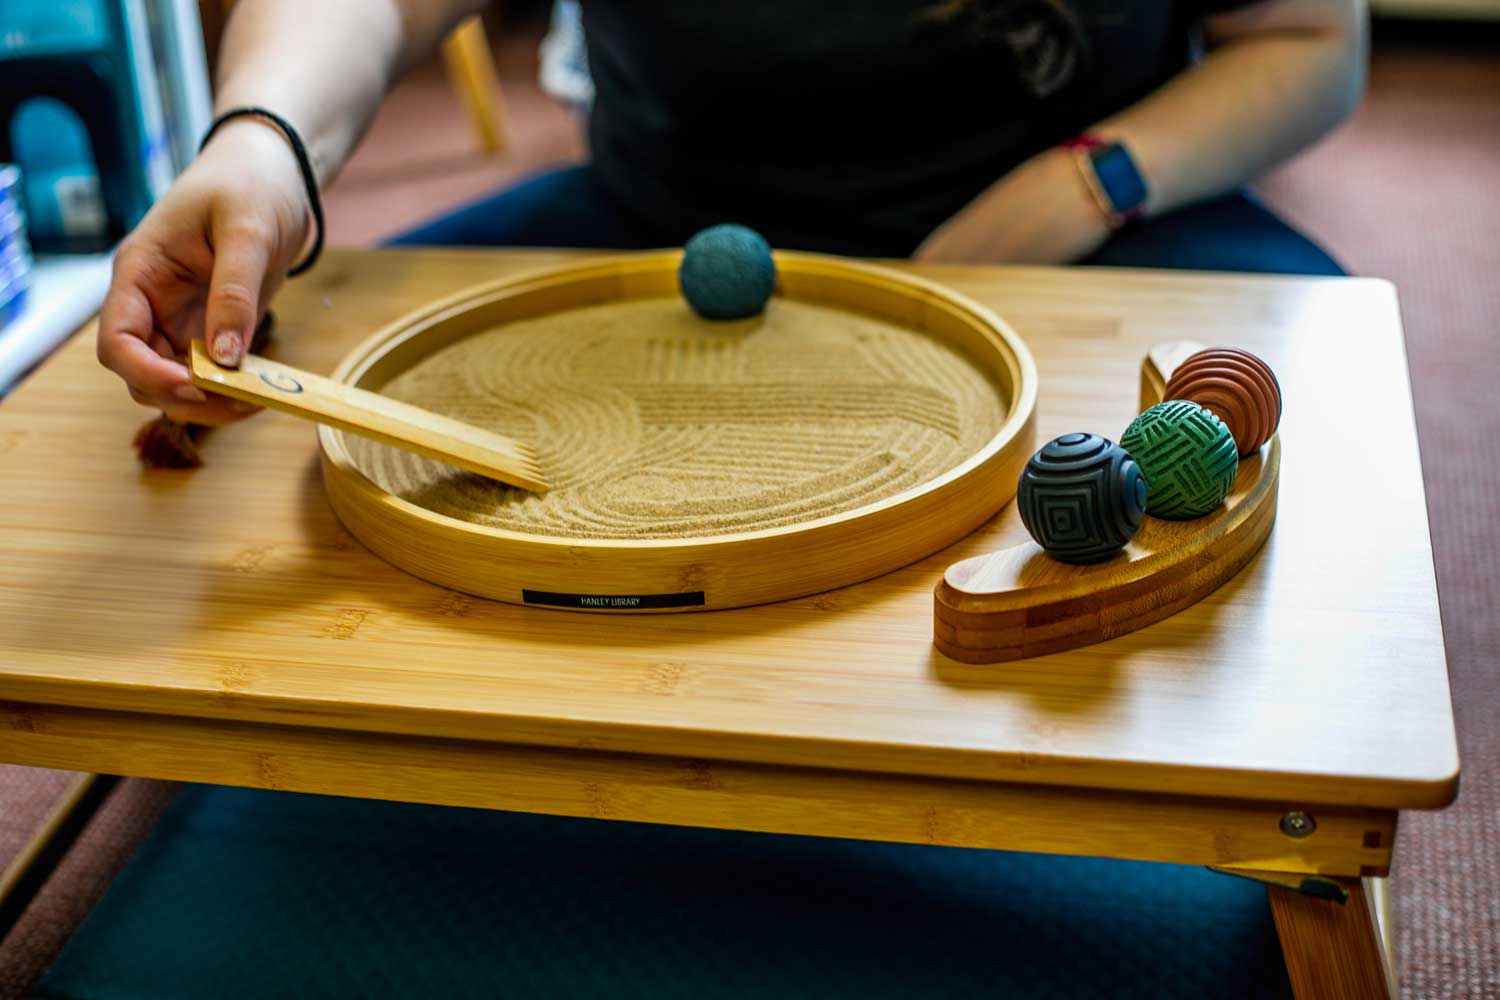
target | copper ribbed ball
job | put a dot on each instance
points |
(1239, 388)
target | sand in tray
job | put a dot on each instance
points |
(652, 423)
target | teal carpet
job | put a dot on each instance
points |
(242, 893)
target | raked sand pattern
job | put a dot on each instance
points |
(653, 423)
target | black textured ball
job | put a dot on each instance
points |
(1081, 497)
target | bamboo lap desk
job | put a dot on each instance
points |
(221, 626)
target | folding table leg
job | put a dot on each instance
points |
(1333, 950)
(24, 877)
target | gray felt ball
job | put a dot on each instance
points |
(727, 272)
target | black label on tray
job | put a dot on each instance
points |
(614, 602)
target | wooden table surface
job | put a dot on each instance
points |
(232, 593)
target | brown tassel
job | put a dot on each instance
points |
(163, 443)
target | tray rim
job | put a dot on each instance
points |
(631, 263)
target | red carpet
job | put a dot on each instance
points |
(1410, 191)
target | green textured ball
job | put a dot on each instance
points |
(1187, 455)
(727, 272)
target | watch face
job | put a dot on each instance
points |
(1118, 176)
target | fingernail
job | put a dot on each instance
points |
(191, 393)
(226, 348)
(240, 406)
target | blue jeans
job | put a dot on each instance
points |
(569, 208)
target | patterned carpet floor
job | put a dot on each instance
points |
(1410, 191)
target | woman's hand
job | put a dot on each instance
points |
(204, 262)
(1039, 213)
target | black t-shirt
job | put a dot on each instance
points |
(854, 125)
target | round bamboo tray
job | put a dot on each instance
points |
(714, 570)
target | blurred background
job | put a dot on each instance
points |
(102, 102)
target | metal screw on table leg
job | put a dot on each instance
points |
(1298, 824)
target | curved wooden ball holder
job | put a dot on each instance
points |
(1020, 602)
(698, 573)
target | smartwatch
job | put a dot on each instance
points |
(1112, 178)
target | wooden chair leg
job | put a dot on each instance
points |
(1334, 951)
(471, 66)
(23, 879)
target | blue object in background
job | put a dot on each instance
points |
(62, 194)
(71, 68)
(15, 253)
(52, 27)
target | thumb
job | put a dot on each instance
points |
(242, 253)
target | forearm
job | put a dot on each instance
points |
(1278, 76)
(325, 65)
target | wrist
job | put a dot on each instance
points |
(1111, 177)
(1091, 224)
(305, 171)
(251, 144)
(260, 161)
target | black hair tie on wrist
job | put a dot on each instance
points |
(304, 163)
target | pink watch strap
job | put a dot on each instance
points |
(1085, 141)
